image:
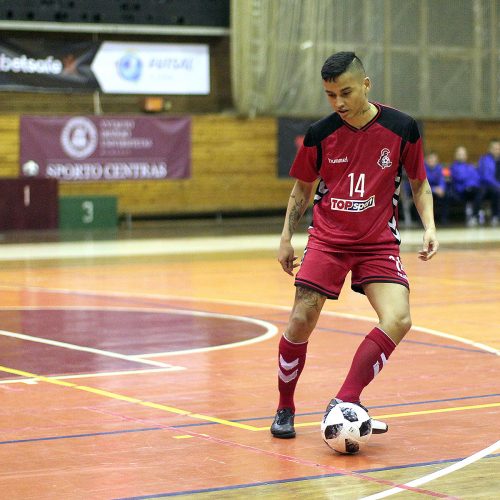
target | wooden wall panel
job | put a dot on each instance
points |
(444, 136)
(9, 145)
(233, 169)
(233, 166)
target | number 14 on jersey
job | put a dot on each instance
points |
(357, 186)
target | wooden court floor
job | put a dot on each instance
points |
(153, 375)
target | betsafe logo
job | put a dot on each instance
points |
(129, 67)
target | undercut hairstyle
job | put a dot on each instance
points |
(339, 63)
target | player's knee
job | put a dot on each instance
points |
(397, 325)
(407, 324)
(402, 323)
(300, 326)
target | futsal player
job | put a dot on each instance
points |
(354, 157)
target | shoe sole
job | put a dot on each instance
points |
(380, 430)
(285, 435)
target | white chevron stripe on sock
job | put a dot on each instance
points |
(377, 367)
(288, 366)
(384, 359)
(287, 378)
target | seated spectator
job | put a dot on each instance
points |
(438, 185)
(465, 186)
(489, 173)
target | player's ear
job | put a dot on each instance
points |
(367, 84)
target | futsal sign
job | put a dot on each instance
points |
(109, 67)
(91, 148)
(152, 68)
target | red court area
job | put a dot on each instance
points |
(69, 341)
(116, 397)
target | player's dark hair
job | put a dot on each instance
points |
(339, 63)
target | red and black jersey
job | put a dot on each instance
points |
(356, 201)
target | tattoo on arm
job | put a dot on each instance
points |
(295, 214)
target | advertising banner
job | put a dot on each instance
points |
(152, 68)
(111, 148)
(40, 64)
(111, 67)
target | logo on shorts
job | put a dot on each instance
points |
(384, 161)
(352, 205)
(399, 266)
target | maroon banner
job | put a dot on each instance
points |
(105, 148)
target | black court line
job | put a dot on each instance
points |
(75, 436)
(202, 424)
(297, 479)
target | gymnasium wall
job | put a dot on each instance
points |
(233, 166)
(233, 169)
(218, 100)
(443, 136)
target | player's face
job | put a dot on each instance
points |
(461, 154)
(495, 149)
(348, 96)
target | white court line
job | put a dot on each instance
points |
(435, 333)
(75, 347)
(205, 244)
(443, 472)
(434, 475)
(245, 303)
(271, 330)
(144, 247)
(34, 380)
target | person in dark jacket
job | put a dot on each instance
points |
(437, 181)
(465, 185)
(489, 173)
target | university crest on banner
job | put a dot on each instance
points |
(111, 148)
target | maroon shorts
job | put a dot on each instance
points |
(325, 272)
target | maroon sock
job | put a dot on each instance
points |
(292, 358)
(371, 356)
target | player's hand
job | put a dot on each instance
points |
(430, 245)
(287, 258)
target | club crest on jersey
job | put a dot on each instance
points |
(352, 205)
(384, 161)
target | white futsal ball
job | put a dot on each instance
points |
(31, 168)
(346, 428)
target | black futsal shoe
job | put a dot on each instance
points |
(378, 427)
(283, 424)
